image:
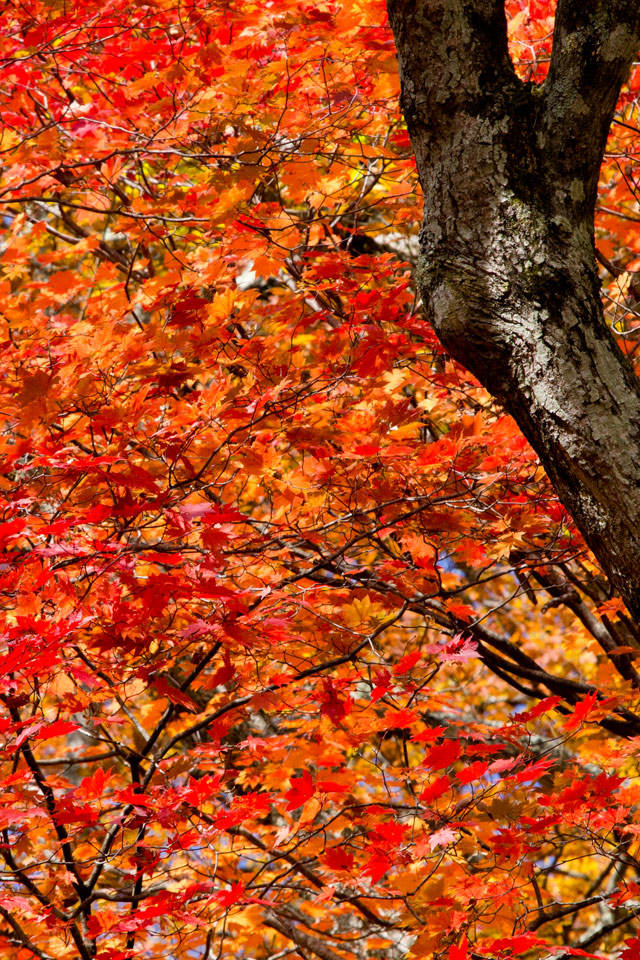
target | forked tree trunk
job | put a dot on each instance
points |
(507, 271)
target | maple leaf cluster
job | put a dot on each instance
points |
(301, 656)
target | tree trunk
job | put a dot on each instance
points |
(507, 271)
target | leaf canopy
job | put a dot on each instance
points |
(301, 656)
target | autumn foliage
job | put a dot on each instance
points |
(301, 657)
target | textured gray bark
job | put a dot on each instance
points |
(507, 271)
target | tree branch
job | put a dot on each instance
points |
(299, 937)
(21, 936)
(453, 53)
(593, 49)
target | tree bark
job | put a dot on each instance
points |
(507, 270)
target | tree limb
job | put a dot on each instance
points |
(593, 49)
(299, 937)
